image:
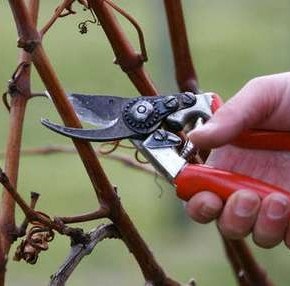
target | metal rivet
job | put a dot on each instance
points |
(141, 109)
(188, 98)
(171, 102)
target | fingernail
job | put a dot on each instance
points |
(245, 204)
(277, 208)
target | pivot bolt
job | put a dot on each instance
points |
(141, 110)
(188, 98)
(171, 102)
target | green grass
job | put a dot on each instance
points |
(231, 42)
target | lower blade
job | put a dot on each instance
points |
(115, 132)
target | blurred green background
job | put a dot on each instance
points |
(231, 42)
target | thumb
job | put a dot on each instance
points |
(252, 106)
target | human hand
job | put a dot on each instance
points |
(262, 103)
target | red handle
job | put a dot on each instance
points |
(196, 178)
(263, 139)
(216, 102)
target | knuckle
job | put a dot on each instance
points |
(265, 87)
(258, 81)
(232, 232)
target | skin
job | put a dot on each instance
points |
(263, 103)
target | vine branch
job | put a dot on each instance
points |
(122, 158)
(17, 108)
(30, 41)
(246, 269)
(184, 68)
(65, 5)
(79, 251)
(130, 62)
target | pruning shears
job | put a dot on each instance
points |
(154, 125)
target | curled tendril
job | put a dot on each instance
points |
(110, 147)
(142, 45)
(12, 87)
(37, 239)
(158, 184)
(104, 150)
(83, 26)
(139, 159)
(5, 100)
(19, 69)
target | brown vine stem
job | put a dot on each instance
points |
(239, 272)
(132, 64)
(184, 69)
(98, 214)
(21, 231)
(136, 26)
(29, 39)
(30, 214)
(16, 118)
(248, 272)
(129, 61)
(40, 218)
(56, 15)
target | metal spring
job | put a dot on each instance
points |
(188, 150)
(190, 153)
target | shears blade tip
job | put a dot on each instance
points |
(66, 131)
(52, 126)
(47, 94)
(112, 133)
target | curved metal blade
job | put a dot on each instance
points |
(115, 132)
(99, 110)
(119, 118)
